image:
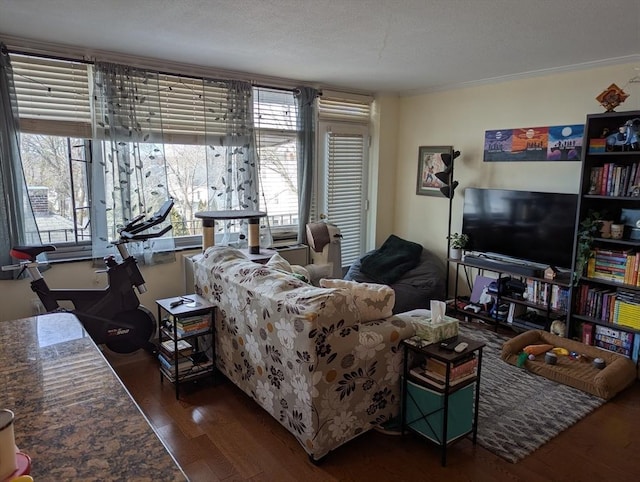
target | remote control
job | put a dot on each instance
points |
(460, 347)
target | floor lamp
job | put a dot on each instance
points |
(449, 186)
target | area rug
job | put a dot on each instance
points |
(520, 411)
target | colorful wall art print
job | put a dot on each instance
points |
(556, 143)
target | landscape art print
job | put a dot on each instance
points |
(555, 143)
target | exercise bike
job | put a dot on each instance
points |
(112, 316)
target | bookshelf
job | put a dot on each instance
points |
(186, 349)
(606, 295)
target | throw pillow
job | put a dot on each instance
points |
(373, 301)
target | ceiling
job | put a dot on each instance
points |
(390, 46)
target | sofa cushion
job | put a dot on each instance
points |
(373, 301)
(617, 375)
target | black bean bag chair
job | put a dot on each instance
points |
(416, 287)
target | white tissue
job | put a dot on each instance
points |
(438, 310)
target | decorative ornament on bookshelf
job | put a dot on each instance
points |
(550, 273)
(612, 97)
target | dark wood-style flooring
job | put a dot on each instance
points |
(216, 432)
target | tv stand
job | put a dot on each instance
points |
(547, 298)
(503, 266)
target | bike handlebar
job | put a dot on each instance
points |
(131, 232)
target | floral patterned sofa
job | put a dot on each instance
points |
(310, 356)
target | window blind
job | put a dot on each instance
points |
(352, 110)
(346, 190)
(53, 96)
(197, 111)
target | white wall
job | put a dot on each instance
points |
(163, 281)
(460, 118)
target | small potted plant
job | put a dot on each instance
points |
(457, 242)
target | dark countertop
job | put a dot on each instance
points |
(73, 415)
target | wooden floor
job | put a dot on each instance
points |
(219, 433)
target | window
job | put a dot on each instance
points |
(54, 99)
(275, 117)
(56, 170)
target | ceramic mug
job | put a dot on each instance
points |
(8, 463)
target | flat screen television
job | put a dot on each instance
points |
(536, 227)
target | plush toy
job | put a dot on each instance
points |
(522, 357)
(537, 349)
(558, 327)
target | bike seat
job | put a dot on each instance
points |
(30, 252)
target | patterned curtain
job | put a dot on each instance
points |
(18, 224)
(306, 134)
(232, 167)
(129, 174)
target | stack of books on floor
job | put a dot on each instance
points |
(434, 372)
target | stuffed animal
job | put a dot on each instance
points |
(558, 327)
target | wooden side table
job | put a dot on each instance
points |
(209, 220)
(441, 412)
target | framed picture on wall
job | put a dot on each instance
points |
(429, 163)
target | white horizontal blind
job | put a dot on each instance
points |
(344, 110)
(196, 111)
(53, 96)
(345, 183)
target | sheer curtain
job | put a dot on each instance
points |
(18, 225)
(129, 175)
(306, 149)
(232, 166)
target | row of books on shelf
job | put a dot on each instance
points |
(541, 293)
(189, 325)
(618, 307)
(619, 266)
(186, 365)
(168, 348)
(433, 372)
(612, 339)
(614, 180)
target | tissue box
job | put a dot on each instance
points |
(431, 331)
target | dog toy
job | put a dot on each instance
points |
(522, 357)
(537, 349)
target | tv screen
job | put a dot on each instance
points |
(532, 226)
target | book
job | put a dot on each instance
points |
(423, 377)
(184, 347)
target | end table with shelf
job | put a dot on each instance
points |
(442, 412)
(186, 349)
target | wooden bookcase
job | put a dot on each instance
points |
(606, 294)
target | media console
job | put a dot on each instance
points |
(547, 299)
